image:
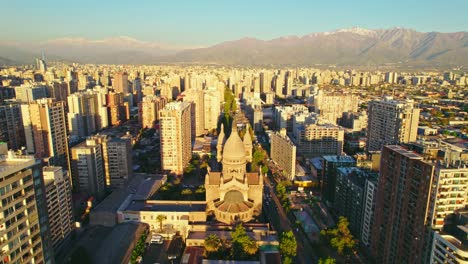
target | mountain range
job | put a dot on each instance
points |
(350, 47)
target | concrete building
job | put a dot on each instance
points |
(332, 106)
(330, 165)
(24, 236)
(391, 122)
(355, 121)
(148, 110)
(370, 194)
(352, 197)
(59, 204)
(283, 153)
(451, 244)
(118, 110)
(175, 134)
(46, 131)
(27, 93)
(212, 105)
(313, 140)
(88, 168)
(11, 125)
(196, 97)
(87, 113)
(118, 161)
(234, 194)
(400, 228)
(120, 82)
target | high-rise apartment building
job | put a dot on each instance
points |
(24, 236)
(212, 104)
(120, 82)
(330, 165)
(196, 97)
(451, 244)
(391, 122)
(118, 161)
(87, 113)
(88, 168)
(46, 131)
(400, 228)
(59, 204)
(148, 110)
(11, 125)
(283, 153)
(314, 140)
(175, 134)
(118, 109)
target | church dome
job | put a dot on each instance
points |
(234, 150)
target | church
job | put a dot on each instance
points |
(234, 194)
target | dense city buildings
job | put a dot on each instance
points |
(283, 153)
(11, 125)
(87, 113)
(391, 122)
(176, 141)
(45, 129)
(313, 140)
(148, 110)
(196, 97)
(332, 106)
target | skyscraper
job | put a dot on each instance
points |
(391, 122)
(118, 152)
(399, 232)
(46, 131)
(23, 215)
(196, 97)
(11, 125)
(212, 105)
(176, 140)
(148, 110)
(120, 83)
(59, 204)
(283, 153)
(88, 168)
(87, 113)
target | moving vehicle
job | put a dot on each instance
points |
(157, 239)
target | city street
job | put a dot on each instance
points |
(280, 221)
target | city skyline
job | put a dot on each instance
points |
(205, 23)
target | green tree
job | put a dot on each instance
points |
(243, 247)
(328, 260)
(212, 243)
(288, 244)
(160, 219)
(340, 238)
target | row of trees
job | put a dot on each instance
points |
(171, 191)
(288, 247)
(139, 249)
(281, 192)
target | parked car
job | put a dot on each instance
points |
(157, 239)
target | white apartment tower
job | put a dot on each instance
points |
(175, 134)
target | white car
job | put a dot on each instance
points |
(157, 239)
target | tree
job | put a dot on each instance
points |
(288, 244)
(340, 238)
(328, 260)
(243, 246)
(212, 243)
(160, 219)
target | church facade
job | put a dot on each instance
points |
(234, 194)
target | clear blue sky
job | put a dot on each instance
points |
(197, 22)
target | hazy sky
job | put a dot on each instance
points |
(197, 22)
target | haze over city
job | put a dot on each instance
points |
(208, 132)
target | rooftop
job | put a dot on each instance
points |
(167, 206)
(12, 163)
(338, 158)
